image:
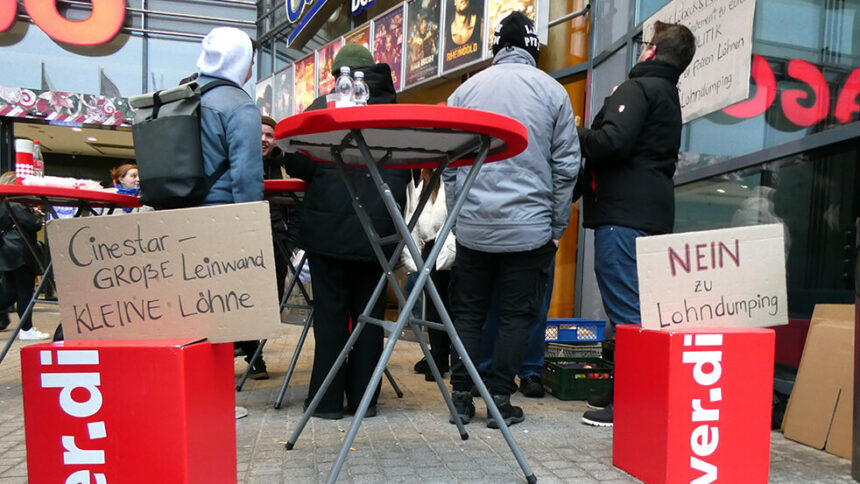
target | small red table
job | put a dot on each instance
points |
(86, 202)
(392, 136)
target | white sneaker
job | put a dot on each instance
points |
(32, 334)
(241, 412)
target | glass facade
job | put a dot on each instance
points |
(764, 163)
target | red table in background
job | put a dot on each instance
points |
(398, 136)
(86, 201)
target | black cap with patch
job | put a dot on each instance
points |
(518, 31)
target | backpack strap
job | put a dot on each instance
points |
(224, 166)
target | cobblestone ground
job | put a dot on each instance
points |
(409, 441)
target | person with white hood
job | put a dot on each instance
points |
(229, 120)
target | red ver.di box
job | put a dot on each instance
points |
(124, 411)
(693, 405)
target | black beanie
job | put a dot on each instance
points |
(517, 30)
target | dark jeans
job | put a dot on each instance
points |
(342, 289)
(615, 269)
(18, 287)
(534, 355)
(440, 344)
(522, 280)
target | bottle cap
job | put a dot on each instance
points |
(344, 69)
(35, 142)
(359, 75)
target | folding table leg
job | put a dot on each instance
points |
(27, 312)
(295, 359)
(257, 353)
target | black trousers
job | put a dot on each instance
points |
(440, 344)
(18, 287)
(342, 289)
(521, 278)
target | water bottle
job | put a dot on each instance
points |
(38, 160)
(360, 91)
(343, 86)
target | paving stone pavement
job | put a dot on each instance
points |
(409, 441)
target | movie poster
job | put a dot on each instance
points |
(304, 85)
(360, 36)
(464, 33)
(264, 96)
(283, 94)
(325, 59)
(388, 43)
(422, 41)
(499, 9)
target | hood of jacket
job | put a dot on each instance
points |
(514, 55)
(227, 54)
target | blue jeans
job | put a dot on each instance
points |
(533, 360)
(615, 268)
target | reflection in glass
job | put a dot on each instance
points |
(813, 194)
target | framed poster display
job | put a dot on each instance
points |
(325, 59)
(464, 33)
(283, 86)
(359, 36)
(499, 9)
(422, 41)
(305, 75)
(264, 98)
(388, 43)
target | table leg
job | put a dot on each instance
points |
(294, 360)
(27, 312)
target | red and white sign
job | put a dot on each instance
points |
(693, 406)
(129, 412)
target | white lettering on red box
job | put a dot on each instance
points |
(68, 382)
(707, 371)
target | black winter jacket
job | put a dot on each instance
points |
(14, 252)
(631, 151)
(328, 223)
(285, 220)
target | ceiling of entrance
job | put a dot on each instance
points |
(113, 143)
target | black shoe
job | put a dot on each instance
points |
(324, 415)
(598, 418)
(4, 321)
(421, 366)
(464, 406)
(599, 401)
(258, 371)
(370, 413)
(511, 414)
(532, 387)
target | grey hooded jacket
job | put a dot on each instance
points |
(518, 204)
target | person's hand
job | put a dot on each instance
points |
(555, 241)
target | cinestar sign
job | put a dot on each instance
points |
(100, 27)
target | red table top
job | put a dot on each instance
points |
(67, 196)
(271, 187)
(418, 135)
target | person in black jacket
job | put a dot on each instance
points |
(343, 268)
(17, 263)
(631, 151)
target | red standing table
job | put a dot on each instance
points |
(86, 201)
(391, 136)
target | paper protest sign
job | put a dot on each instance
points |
(205, 272)
(716, 278)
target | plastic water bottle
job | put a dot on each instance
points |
(343, 86)
(360, 91)
(38, 160)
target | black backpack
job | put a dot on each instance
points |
(166, 135)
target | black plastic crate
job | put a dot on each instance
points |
(569, 379)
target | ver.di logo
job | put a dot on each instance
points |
(101, 26)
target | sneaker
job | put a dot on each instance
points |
(464, 406)
(32, 334)
(601, 400)
(241, 412)
(421, 366)
(598, 418)
(511, 414)
(532, 387)
(258, 372)
(370, 413)
(323, 415)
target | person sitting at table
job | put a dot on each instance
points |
(343, 267)
(17, 263)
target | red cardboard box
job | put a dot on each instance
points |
(127, 411)
(693, 405)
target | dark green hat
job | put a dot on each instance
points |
(351, 55)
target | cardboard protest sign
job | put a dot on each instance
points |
(715, 278)
(204, 272)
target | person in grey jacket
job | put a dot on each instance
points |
(514, 215)
(229, 120)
